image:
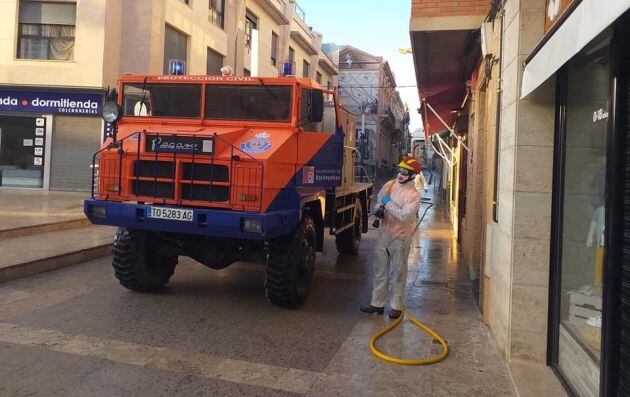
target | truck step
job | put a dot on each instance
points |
(36, 253)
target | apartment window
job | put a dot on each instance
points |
(274, 48)
(318, 77)
(251, 23)
(291, 55)
(247, 73)
(305, 69)
(175, 46)
(216, 8)
(215, 62)
(329, 85)
(46, 30)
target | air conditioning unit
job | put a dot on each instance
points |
(487, 34)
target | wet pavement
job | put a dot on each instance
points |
(75, 331)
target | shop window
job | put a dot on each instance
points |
(305, 69)
(175, 47)
(274, 48)
(22, 150)
(583, 217)
(46, 30)
(251, 24)
(216, 15)
(214, 62)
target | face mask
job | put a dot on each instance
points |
(404, 176)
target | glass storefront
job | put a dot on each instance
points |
(22, 151)
(581, 281)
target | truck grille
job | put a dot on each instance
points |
(219, 194)
(206, 172)
(154, 169)
(153, 189)
(225, 178)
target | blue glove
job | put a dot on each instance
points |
(385, 200)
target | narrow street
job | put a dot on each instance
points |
(76, 332)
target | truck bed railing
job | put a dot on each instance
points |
(178, 173)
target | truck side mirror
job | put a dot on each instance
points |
(315, 106)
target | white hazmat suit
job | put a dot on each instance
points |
(394, 241)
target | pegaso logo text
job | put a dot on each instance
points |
(159, 145)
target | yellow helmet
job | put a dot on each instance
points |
(410, 163)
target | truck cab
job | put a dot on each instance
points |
(223, 169)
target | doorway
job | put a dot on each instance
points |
(22, 151)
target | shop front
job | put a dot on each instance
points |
(589, 330)
(48, 136)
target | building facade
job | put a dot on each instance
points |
(368, 87)
(58, 58)
(542, 217)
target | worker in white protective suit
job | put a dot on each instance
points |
(400, 201)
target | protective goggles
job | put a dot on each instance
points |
(404, 172)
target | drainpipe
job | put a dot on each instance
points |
(498, 10)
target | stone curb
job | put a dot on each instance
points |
(37, 266)
(44, 228)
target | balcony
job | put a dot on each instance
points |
(276, 9)
(327, 64)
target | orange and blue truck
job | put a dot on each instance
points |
(222, 169)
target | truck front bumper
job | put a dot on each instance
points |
(216, 223)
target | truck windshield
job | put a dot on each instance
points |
(248, 102)
(162, 100)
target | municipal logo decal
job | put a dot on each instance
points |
(308, 175)
(256, 145)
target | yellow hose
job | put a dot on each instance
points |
(403, 361)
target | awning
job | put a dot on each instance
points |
(443, 101)
(589, 19)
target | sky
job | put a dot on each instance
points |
(379, 27)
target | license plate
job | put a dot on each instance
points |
(174, 214)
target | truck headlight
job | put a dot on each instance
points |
(251, 225)
(97, 211)
(111, 112)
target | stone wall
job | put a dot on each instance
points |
(517, 270)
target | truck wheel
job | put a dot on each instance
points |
(349, 240)
(141, 260)
(290, 266)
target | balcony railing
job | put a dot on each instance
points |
(300, 12)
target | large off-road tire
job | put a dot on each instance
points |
(290, 266)
(349, 241)
(142, 261)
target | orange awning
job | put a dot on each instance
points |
(443, 100)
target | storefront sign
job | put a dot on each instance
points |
(555, 9)
(68, 103)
